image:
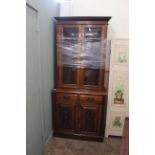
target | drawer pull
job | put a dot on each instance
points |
(90, 98)
(66, 98)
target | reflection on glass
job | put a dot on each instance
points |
(70, 55)
(91, 76)
(70, 45)
(70, 33)
(92, 46)
(94, 33)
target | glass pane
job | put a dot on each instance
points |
(69, 75)
(92, 46)
(70, 46)
(91, 76)
(94, 33)
(70, 33)
(70, 55)
(91, 59)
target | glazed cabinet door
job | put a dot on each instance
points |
(90, 110)
(68, 37)
(65, 113)
(93, 56)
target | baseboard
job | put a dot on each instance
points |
(78, 136)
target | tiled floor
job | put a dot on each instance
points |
(62, 146)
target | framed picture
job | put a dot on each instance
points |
(117, 121)
(119, 90)
(120, 52)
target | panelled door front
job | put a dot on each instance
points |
(66, 112)
(90, 115)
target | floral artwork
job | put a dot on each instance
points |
(120, 54)
(119, 91)
(117, 122)
(122, 57)
(119, 97)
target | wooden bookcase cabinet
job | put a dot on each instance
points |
(79, 97)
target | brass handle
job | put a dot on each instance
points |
(90, 98)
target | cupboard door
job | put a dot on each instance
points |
(88, 119)
(66, 111)
(90, 114)
(92, 56)
(68, 48)
(66, 118)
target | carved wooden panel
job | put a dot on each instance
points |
(89, 118)
(66, 117)
(90, 124)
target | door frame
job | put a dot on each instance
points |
(35, 6)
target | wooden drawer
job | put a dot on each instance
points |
(66, 98)
(91, 99)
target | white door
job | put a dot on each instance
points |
(34, 141)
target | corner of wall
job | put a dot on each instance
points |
(49, 138)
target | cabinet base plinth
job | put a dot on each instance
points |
(78, 136)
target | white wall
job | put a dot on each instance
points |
(118, 9)
(65, 8)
